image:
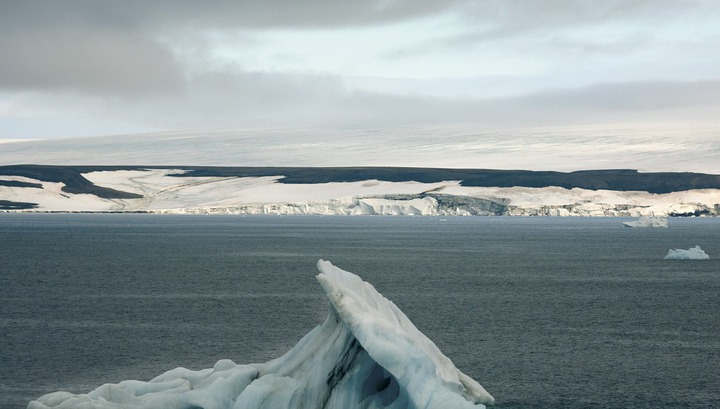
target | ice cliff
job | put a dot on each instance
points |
(367, 354)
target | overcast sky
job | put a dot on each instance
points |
(80, 68)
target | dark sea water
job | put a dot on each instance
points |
(543, 312)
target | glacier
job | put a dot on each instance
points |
(455, 146)
(367, 354)
(164, 193)
(695, 253)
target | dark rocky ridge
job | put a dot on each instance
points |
(71, 176)
(14, 183)
(10, 205)
(621, 179)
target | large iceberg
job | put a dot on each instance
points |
(648, 222)
(695, 253)
(367, 354)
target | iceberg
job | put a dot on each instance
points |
(367, 354)
(648, 222)
(695, 253)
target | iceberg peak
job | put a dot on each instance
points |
(366, 355)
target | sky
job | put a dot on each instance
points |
(88, 68)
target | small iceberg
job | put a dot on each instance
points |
(648, 222)
(695, 253)
(366, 355)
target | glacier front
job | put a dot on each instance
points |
(367, 354)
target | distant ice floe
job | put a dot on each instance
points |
(648, 222)
(695, 253)
(366, 355)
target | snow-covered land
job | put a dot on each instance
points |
(695, 253)
(161, 192)
(648, 222)
(367, 354)
(682, 147)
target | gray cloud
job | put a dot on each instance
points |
(231, 99)
(236, 100)
(112, 59)
(651, 96)
(494, 19)
(117, 47)
(108, 46)
(613, 102)
(585, 41)
(163, 15)
(97, 62)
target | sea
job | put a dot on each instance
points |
(544, 312)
